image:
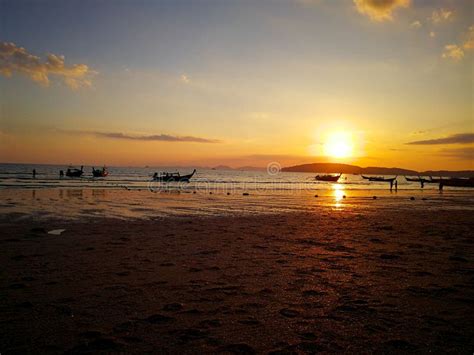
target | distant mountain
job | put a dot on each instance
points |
(222, 167)
(371, 170)
(387, 171)
(435, 173)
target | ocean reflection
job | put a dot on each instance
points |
(339, 194)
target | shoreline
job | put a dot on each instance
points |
(85, 203)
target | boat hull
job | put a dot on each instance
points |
(377, 179)
(457, 183)
(100, 173)
(328, 178)
(74, 173)
(174, 178)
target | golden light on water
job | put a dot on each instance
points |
(339, 145)
(339, 193)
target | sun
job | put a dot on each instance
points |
(338, 145)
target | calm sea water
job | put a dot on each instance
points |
(47, 176)
(131, 192)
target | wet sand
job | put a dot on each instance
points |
(375, 280)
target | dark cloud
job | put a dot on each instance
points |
(461, 138)
(146, 138)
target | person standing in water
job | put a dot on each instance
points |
(34, 173)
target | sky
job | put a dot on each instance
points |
(238, 82)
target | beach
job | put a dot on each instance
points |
(346, 274)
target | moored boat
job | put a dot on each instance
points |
(100, 172)
(435, 181)
(330, 178)
(379, 178)
(457, 182)
(417, 179)
(173, 177)
(73, 172)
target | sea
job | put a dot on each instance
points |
(130, 192)
(271, 179)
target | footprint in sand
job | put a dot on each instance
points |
(389, 256)
(289, 313)
(158, 319)
(91, 334)
(308, 336)
(172, 307)
(309, 293)
(101, 344)
(122, 273)
(190, 334)
(166, 264)
(249, 321)
(210, 323)
(237, 349)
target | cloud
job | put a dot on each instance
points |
(416, 24)
(459, 153)
(461, 138)
(146, 138)
(454, 52)
(469, 41)
(184, 79)
(380, 10)
(14, 59)
(441, 15)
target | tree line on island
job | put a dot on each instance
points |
(371, 170)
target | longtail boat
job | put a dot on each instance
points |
(378, 178)
(73, 172)
(435, 181)
(457, 182)
(100, 172)
(417, 179)
(331, 178)
(173, 177)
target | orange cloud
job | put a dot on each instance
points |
(14, 59)
(469, 42)
(380, 10)
(454, 52)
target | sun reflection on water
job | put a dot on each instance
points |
(339, 194)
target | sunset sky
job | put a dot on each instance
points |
(242, 82)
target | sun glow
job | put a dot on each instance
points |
(338, 145)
